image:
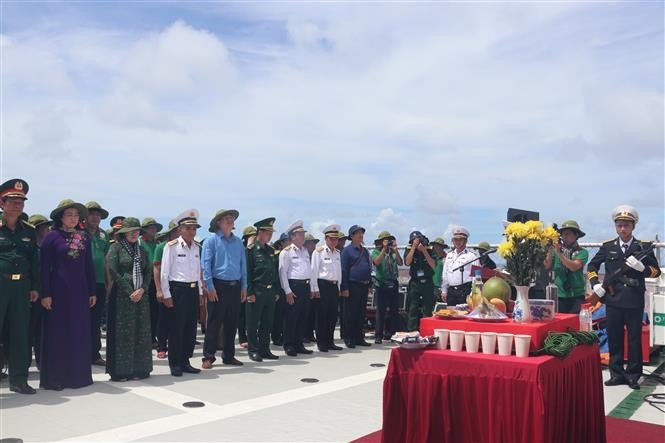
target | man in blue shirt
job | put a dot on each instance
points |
(356, 278)
(225, 274)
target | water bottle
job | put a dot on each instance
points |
(477, 290)
(585, 318)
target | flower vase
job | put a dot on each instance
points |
(522, 310)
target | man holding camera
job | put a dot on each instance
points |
(386, 259)
(567, 259)
(456, 283)
(622, 291)
(421, 286)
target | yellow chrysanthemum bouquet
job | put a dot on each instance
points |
(525, 248)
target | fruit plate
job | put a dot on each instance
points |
(450, 317)
(413, 345)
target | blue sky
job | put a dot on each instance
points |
(393, 116)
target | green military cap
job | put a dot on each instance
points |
(116, 222)
(265, 225)
(94, 206)
(310, 238)
(37, 220)
(149, 221)
(222, 213)
(14, 188)
(248, 232)
(162, 235)
(67, 204)
(385, 234)
(439, 241)
(573, 225)
(130, 224)
(483, 245)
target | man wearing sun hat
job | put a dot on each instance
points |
(262, 287)
(294, 275)
(224, 263)
(99, 243)
(386, 260)
(248, 239)
(456, 285)
(566, 259)
(623, 296)
(162, 312)
(19, 280)
(181, 285)
(356, 279)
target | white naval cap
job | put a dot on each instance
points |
(332, 230)
(296, 226)
(460, 232)
(625, 212)
(188, 217)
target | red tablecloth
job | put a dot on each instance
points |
(446, 396)
(537, 330)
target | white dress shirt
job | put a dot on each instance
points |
(180, 263)
(459, 277)
(326, 265)
(293, 264)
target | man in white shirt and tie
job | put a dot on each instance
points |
(325, 284)
(294, 276)
(180, 279)
(456, 284)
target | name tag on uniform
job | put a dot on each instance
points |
(420, 273)
(327, 259)
(25, 239)
(295, 258)
(182, 255)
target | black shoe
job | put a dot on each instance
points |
(190, 369)
(269, 356)
(349, 344)
(322, 348)
(633, 384)
(334, 347)
(23, 388)
(254, 356)
(55, 387)
(233, 362)
(378, 341)
(615, 382)
(362, 343)
(304, 350)
(290, 351)
(176, 372)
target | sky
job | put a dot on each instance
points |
(393, 116)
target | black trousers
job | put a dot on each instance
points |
(182, 324)
(354, 311)
(277, 333)
(154, 310)
(296, 315)
(570, 305)
(326, 313)
(225, 310)
(163, 319)
(310, 323)
(632, 319)
(456, 295)
(35, 331)
(96, 314)
(242, 323)
(387, 299)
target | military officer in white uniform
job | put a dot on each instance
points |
(456, 285)
(325, 283)
(294, 276)
(180, 279)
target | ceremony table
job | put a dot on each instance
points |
(445, 396)
(537, 330)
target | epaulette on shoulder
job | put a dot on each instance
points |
(277, 251)
(270, 247)
(288, 248)
(646, 243)
(172, 242)
(29, 225)
(320, 248)
(609, 242)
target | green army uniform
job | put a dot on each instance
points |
(420, 290)
(19, 274)
(262, 282)
(150, 246)
(437, 278)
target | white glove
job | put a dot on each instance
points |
(599, 290)
(635, 264)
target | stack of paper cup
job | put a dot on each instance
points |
(471, 341)
(456, 340)
(505, 343)
(442, 334)
(488, 340)
(522, 343)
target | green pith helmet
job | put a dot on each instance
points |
(572, 224)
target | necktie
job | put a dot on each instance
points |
(625, 248)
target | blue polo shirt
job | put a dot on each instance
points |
(224, 259)
(356, 265)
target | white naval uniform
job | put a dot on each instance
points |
(326, 265)
(180, 263)
(459, 277)
(293, 264)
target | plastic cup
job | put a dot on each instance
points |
(456, 340)
(522, 344)
(442, 334)
(471, 341)
(488, 340)
(505, 342)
